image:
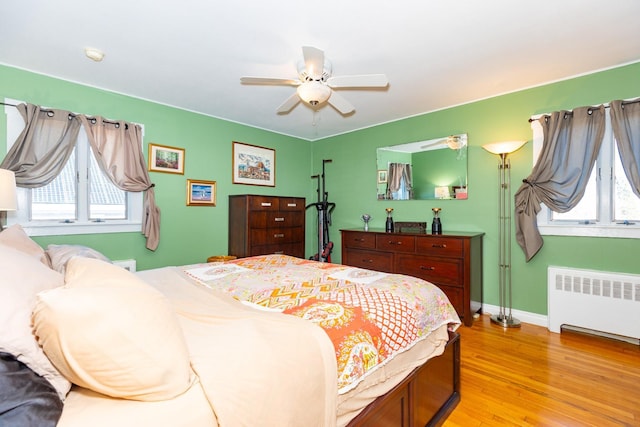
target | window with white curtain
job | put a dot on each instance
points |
(81, 200)
(609, 207)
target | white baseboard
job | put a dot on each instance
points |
(522, 316)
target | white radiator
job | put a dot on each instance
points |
(596, 300)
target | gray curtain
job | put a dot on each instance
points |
(570, 148)
(117, 146)
(398, 172)
(625, 121)
(44, 146)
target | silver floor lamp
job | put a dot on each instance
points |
(503, 149)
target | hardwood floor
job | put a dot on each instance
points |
(532, 377)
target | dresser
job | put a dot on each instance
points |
(451, 261)
(260, 225)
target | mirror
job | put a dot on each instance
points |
(424, 170)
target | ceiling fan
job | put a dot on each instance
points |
(315, 83)
(454, 142)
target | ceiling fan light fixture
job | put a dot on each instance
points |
(314, 93)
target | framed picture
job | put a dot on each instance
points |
(253, 165)
(166, 159)
(201, 193)
(382, 176)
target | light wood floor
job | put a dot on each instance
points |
(532, 377)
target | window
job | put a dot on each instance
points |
(80, 200)
(609, 208)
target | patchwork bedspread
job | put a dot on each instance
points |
(370, 316)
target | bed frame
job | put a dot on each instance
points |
(425, 397)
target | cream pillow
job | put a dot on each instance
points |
(108, 331)
(15, 237)
(23, 276)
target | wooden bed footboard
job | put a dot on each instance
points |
(425, 397)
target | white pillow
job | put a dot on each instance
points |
(23, 276)
(109, 331)
(15, 237)
(59, 255)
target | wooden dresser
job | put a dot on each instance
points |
(260, 225)
(452, 261)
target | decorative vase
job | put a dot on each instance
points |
(389, 224)
(366, 218)
(436, 225)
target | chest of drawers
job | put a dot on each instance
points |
(260, 225)
(452, 261)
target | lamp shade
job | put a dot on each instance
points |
(8, 197)
(313, 92)
(504, 147)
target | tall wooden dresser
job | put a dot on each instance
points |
(260, 225)
(452, 261)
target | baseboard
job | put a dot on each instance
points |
(522, 316)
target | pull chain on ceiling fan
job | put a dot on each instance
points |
(315, 84)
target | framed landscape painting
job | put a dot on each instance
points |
(166, 159)
(201, 193)
(253, 165)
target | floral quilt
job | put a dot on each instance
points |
(370, 316)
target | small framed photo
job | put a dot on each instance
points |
(166, 159)
(382, 176)
(201, 193)
(254, 165)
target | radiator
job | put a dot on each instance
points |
(127, 264)
(595, 300)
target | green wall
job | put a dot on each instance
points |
(352, 185)
(188, 234)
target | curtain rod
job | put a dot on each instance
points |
(631, 101)
(91, 119)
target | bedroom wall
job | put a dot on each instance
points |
(188, 234)
(351, 179)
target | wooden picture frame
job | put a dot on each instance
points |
(166, 159)
(382, 177)
(253, 165)
(201, 193)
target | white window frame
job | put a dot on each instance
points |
(133, 223)
(604, 225)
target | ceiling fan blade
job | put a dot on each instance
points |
(288, 104)
(268, 81)
(340, 104)
(364, 80)
(313, 61)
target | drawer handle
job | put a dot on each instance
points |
(279, 235)
(279, 252)
(358, 240)
(279, 219)
(442, 245)
(265, 204)
(422, 267)
(292, 205)
(369, 261)
(394, 243)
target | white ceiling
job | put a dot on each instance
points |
(192, 53)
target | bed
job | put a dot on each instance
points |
(267, 340)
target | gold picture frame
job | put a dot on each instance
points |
(253, 165)
(166, 159)
(201, 193)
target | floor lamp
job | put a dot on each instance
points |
(503, 149)
(8, 200)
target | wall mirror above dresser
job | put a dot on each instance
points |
(434, 169)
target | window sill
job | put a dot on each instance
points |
(71, 229)
(591, 230)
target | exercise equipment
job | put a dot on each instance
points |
(324, 208)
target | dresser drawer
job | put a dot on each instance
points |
(291, 204)
(277, 219)
(372, 260)
(293, 249)
(442, 271)
(355, 239)
(395, 242)
(440, 246)
(264, 203)
(267, 236)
